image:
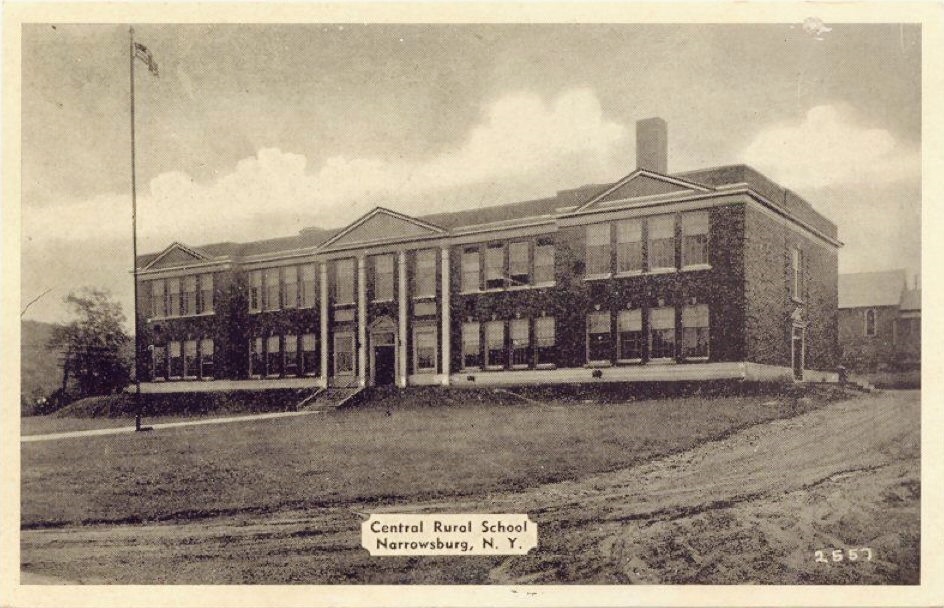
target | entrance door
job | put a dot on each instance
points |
(798, 347)
(384, 364)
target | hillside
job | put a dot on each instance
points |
(39, 366)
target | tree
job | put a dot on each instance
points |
(92, 344)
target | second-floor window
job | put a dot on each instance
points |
(344, 281)
(629, 246)
(255, 291)
(383, 277)
(158, 299)
(598, 250)
(870, 325)
(173, 297)
(424, 273)
(470, 269)
(796, 264)
(272, 290)
(188, 299)
(518, 266)
(206, 293)
(695, 238)
(662, 242)
(290, 287)
(495, 267)
(308, 286)
(543, 263)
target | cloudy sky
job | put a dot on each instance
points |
(258, 131)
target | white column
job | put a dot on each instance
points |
(323, 286)
(402, 296)
(362, 321)
(445, 306)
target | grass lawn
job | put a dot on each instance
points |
(369, 454)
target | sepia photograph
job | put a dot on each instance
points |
(362, 302)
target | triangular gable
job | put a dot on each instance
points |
(641, 183)
(176, 255)
(382, 225)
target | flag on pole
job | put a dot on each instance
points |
(142, 53)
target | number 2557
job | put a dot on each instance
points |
(825, 556)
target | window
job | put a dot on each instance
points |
(544, 263)
(308, 286)
(495, 344)
(290, 292)
(545, 338)
(424, 277)
(188, 299)
(598, 250)
(470, 270)
(662, 242)
(206, 293)
(255, 357)
(173, 297)
(599, 337)
(495, 267)
(190, 359)
(695, 238)
(272, 291)
(158, 363)
(206, 358)
(630, 335)
(870, 325)
(629, 246)
(383, 277)
(662, 333)
(695, 331)
(471, 345)
(796, 264)
(273, 356)
(309, 355)
(344, 354)
(291, 355)
(518, 267)
(255, 291)
(520, 343)
(176, 360)
(344, 281)
(424, 349)
(158, 300)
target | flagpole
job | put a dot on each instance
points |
(134, 242)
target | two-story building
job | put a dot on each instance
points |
(709, 274)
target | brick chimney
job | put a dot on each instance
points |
(652, 145)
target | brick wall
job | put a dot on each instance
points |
(768, 294)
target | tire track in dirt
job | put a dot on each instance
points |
(622, 526)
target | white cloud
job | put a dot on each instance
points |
(521, 139)
(827, 149)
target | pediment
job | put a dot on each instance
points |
(382, 225)
(642, 184)
(176, 255)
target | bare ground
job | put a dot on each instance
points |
(751, 508)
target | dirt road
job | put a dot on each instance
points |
(752, 508)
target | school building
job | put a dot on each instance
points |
(708, 274)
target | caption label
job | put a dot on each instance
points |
(449, 534)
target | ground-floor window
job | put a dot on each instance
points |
(291, 355)
(175, 360)
(495, 344)
(309, 355)
(695, 331)
(190, 359)
(206, 358)
(520, 343)
(256, 366)
(424, 349)
(631, 337)
(662, 333)
(471, 345)
(545, 341)
(158, 363)
(599, 337)
(273, 356)
(344, 354)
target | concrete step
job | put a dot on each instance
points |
(326, 399)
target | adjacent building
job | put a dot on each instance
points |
(879, 322)
(716, 273)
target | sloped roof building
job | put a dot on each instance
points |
(716, 273)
